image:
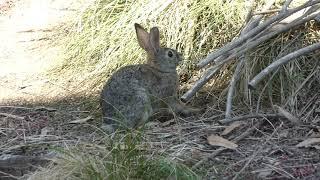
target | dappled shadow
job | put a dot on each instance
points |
(32, 129)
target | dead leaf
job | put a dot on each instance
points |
(44, 131)
(288, 115)
(231, 127)
(196, 154)
(220, 141)
(308, 142)
(81, 121)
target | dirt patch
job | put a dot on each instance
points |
(6, 5)
(30, 134)
(267, 146)
(28, 29)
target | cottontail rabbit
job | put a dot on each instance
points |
(135, 92)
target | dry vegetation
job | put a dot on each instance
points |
(271, 132)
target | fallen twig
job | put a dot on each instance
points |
(281, 171)
(12, 116)
(249, 116)
(257, 152)
(7, 175)
(219, 150)
(253, 83)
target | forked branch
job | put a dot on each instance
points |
(282, 15)
(251, 43)
(253, 83)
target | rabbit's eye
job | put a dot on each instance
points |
(170, 54)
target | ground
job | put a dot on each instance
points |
(36, 111)
(27, 32)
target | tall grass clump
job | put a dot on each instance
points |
(124, 157)
(103, 39)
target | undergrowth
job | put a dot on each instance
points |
(124, 156)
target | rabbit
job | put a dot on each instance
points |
(135, 92)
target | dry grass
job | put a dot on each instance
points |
(98, 44)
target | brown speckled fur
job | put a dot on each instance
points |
(135, 92)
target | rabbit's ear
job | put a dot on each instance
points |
(143, 37)
(155, 39)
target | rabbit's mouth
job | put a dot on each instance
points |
(168, 69)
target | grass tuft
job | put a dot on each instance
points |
(123, 157)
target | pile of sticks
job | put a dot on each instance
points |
(253, 34)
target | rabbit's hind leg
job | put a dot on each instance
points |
(127, 109)
(136, 108)
(141, 107)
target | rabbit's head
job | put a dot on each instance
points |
(162, 59)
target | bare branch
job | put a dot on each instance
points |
(317, 18)
(253, 83)
(233, 82)
(249, 15)
(285, 6)
(253, 22)
(252, 44)
(240, 50)
(12, 116)
(255, 31)
(201, 82)
(266, 12)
